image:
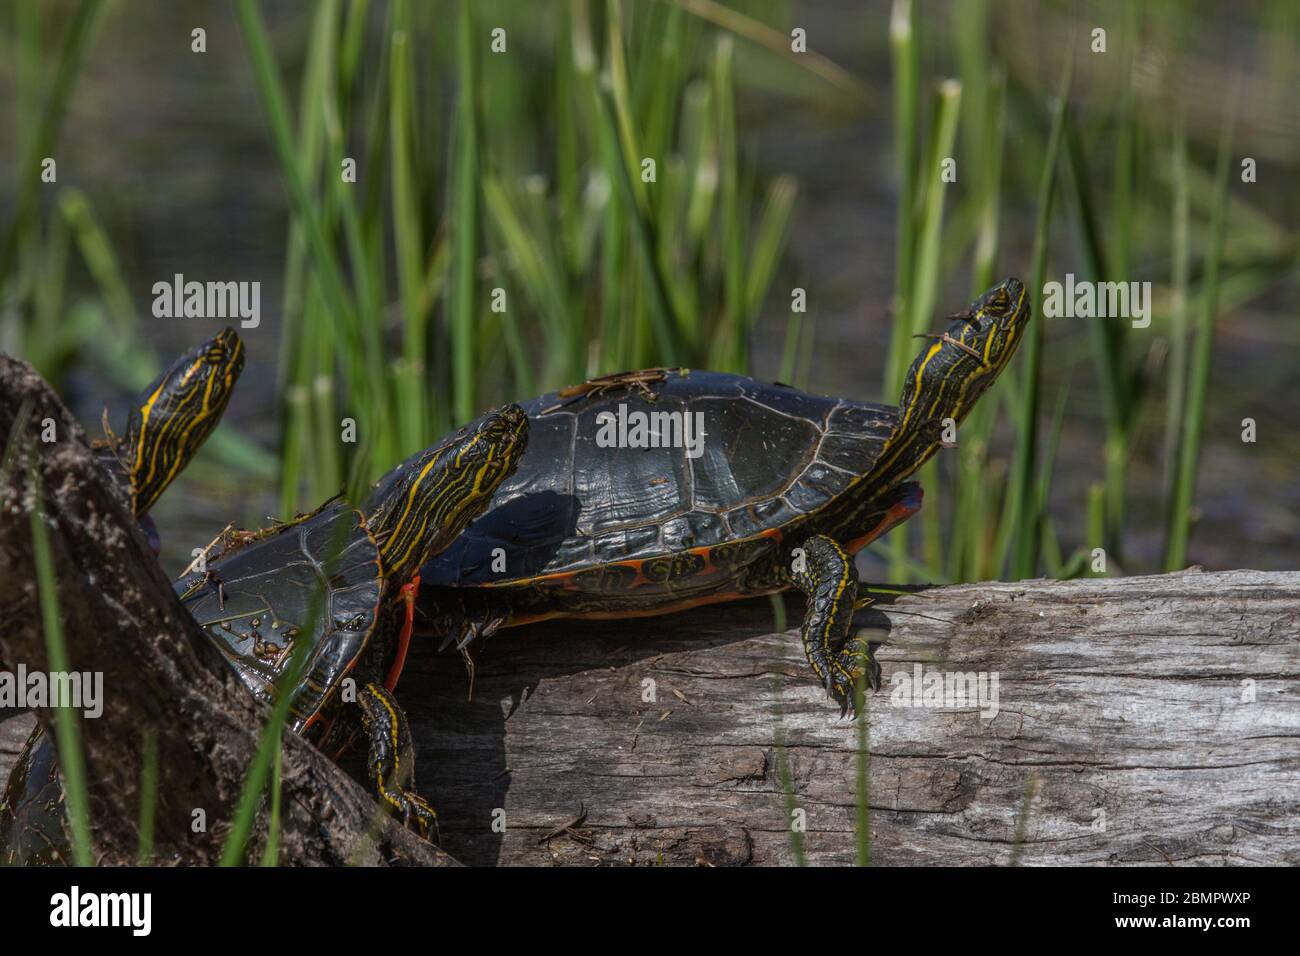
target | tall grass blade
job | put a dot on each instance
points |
(925, 281)
(148, 798)
(1021, 527)
(786, 775)
(465, 175)
(67, 730)
(1180, 517)
(760, 33)
(80, 31)
(1180, 270)
(271, 854)
(408, 244)
(905, 49)
(233, 851)
(1022, 819)
(862, 790)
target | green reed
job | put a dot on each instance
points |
(487, 287)
(67, 729)
(148, 798)
(1184, 482)
(266, 763)
(517, 241)
(1104, 174)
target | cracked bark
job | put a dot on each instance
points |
(120, 618)
(1155, 720)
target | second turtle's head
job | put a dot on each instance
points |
(956, 368)
(431, 498)
(176, 414)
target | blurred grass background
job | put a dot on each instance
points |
(524, 171)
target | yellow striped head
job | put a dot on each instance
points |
(176, 414)
(950, 375)
(959, 365)
(424, 504)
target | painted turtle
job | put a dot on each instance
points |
(361, 566)
(782, 490)
(167, 424)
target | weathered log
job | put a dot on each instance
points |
(160, 675)
(1150, 720)
(1153, 719)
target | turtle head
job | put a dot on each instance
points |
(950, 375)
(176, 414)
(431, 498)
(993, 327)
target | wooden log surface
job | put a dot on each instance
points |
(1143, 720)
(163, 679)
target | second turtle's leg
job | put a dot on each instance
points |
(827, 576)
(391, 764)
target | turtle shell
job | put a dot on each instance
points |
(770, 454)
(256, 604)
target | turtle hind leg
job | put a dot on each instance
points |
(391, 763)
(457, 616)
(826, 575)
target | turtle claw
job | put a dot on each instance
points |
(850, 667)
(843, 695)
(413, 810)
(846, 706)
(417, 815)
(873, 672)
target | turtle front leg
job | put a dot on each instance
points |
(828, 578)
(391, 764)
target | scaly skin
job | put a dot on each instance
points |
(173, 417)
(826, 574)
(391, 762)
